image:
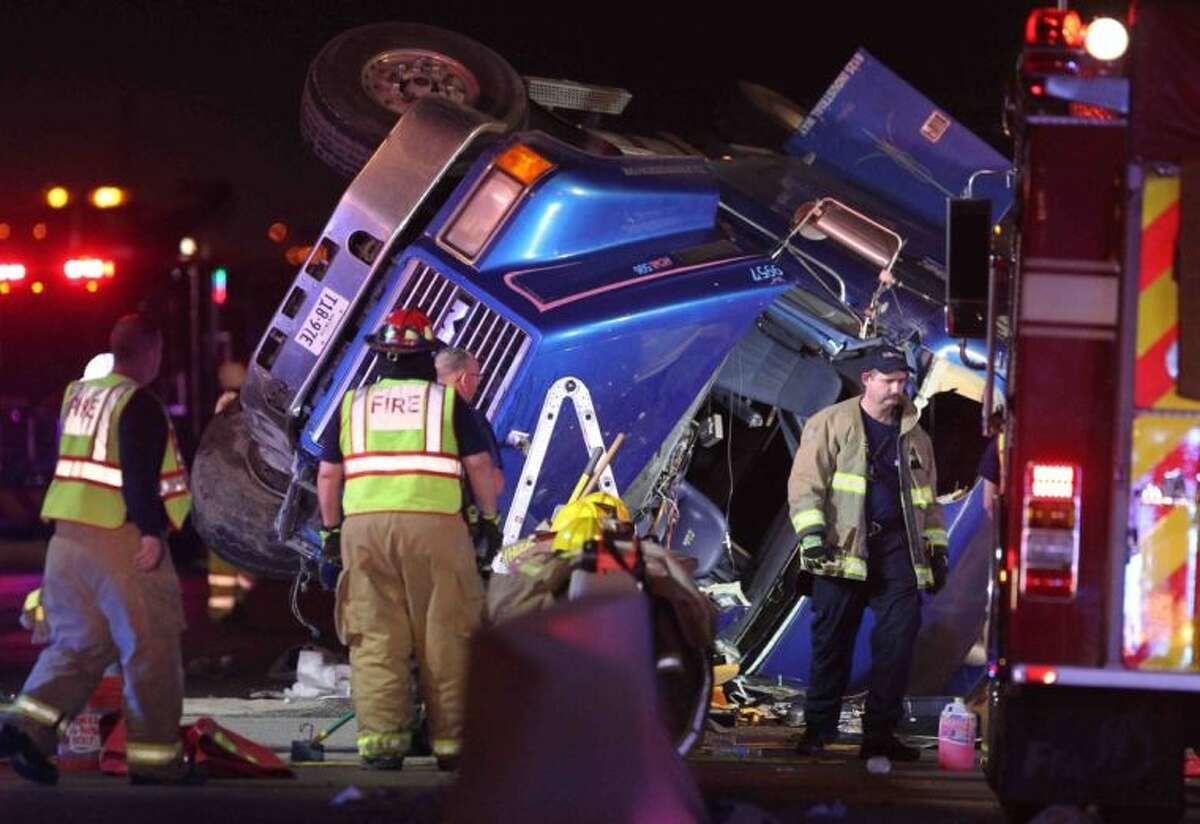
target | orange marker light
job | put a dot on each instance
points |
(38, 287)
(524, 163)
(92, 286)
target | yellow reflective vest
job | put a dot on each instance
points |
(399, 450)
(827, 489)
(87, 476)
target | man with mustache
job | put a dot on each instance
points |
(871, 533)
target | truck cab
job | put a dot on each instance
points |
(677, 298)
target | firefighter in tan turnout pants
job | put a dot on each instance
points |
(409, 584)
(109, 589)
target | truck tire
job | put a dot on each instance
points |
(364, 79)
(233, 508)
(683, 673)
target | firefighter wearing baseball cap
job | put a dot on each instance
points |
(870, 531)
(409, 583)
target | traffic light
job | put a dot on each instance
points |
(220, 285)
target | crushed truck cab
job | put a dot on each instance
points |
(607, 289)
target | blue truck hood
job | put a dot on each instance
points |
(875, 130)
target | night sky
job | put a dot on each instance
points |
(165, 96)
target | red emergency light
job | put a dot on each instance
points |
(10, 272)
(1054, 27)
(88, 269)
(1050, 530)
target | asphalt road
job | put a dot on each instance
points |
(738, 791)
(744, 775)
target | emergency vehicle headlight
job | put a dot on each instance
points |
(88, 269)
(483, 213)
(1106, 39)
(12, 271)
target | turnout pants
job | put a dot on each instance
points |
(891, 592)
(101, 609)
(409, 587)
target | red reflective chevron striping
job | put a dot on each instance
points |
(1152, 379)
(1158, 246)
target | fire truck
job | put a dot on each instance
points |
(1094, 669)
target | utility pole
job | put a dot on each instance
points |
(187, 253)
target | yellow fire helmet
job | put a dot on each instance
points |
(610, 505)
(583, 520)
(572, 535)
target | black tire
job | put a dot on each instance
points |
(232, 509)
(683, 673)
(344, 123)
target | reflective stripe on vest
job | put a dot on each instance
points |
(399, 449)
(80, 469)
(403, 463)
(87, 485)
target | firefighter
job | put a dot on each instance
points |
(459, 369)
(409, 582)
(109, 586)
(861, 496)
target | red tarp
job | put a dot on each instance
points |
(219, 752)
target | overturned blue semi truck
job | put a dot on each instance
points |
(704, 306)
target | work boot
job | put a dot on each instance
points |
(812, 743)
(25, 758)
(191, 777)
(890, 747)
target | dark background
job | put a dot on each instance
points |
(196, 105)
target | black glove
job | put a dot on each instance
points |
(330, 566)
(939, 565)
(815, 554)
(471, 516)
(489, 531)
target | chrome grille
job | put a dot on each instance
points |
(463, 320)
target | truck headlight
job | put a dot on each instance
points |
(513, 172)
(488, 205)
